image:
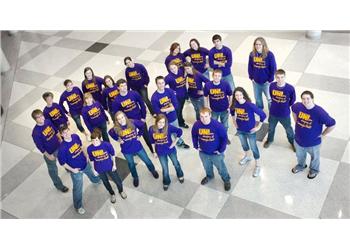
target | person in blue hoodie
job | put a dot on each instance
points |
(261, 70)
(243, 115)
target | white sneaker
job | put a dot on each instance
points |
(256, 171)
(81, 210)
(245, 160)
(113, 199)
(123, 195)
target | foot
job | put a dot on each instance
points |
(228, 142)
(227, 185)
(181, 179)
(81, 210)
(64, 189)
(184, 145)
(205, 180)
(136, 182)
(113, 199)
(155, 174)
(184, 125)
(245, 160)
(256, 171)
(165, 187)
(123, 195)
(267, 144)
(311, 175)
(297, 170)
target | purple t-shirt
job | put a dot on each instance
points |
(223, 55)
(260, 69)
(245, 118)
(95, 88)
(281, 99)
(94, 115)
(218, 95)
(163, 140)
(137, 77)
(177, 83)
(164, 100)
(179, 59)
(45, 137)
(101, 156)
(131, 104)
(195, 84)
(71, 153)
(74, 99)
(109, 94)
(55, 114)
(198, 58)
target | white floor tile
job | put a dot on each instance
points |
(19, 90)
(52, 83)
(25, 47)
(346, 156)
(132, 38)
(149, 55)
(52, 40)
(11, 155)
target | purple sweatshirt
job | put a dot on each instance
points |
(309, 124)
(137, 77)
(218, 95)
(94, 115)
(245, 117)
(163, 141)
(179, 59)
(95, 88)
(131, 104)
(101, 156)
(71, 153)
(281, 99)
(262, 70)
(45, 137)
(198, 58)
(109, 94)
(222, 55)
(195, 84)
(164, 100)
(56, 115)
(74, 99)
(177, 83)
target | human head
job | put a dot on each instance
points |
(88, 99)
(307, 98)
(38, 116)
(217, 41)
(120, 118)
(160, 83)
(65, 132)
(128, 62)
(96, 136)
(68, 84)
(194, 44)
(188, 67)
(122, 86)
(205, 115)
(260, 46)
(217, 75)
(173, 68)
(48, 97)
(161, 122)
(175, 49)
(240, 94)
(280, 76)
(108, 81)
(89, 73)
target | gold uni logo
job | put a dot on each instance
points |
(258, 59)
(47, 130)
(73, 148)
(94, 111)
(133, 73)
(215, 91)
(72, 97)
(304, 116)
(277, 93)
(204, 131)
(158, 136)
(240, 111)
(98, 153)
(196, 56)
(126, 103)
(54, 112)
(90, 85)
(163, 100)
(126, 132)
(218, 55)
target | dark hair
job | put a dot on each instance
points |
(46, 95)
(36, 112)
(65, 83)
(96, 133)
(280, 72)
(127, 58)
(105, 78)
(188, 64)
(196, 41)
(245, 96)
(307, 92)
(62, 128)
(173, 46)
(159, 78)
(216, 37)
(158, 118)
(121, 81)
(93, 74)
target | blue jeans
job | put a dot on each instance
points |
(115, 177)
(144, 157)
(244, 137)
(176, 124)
(259, 89)
(315, 157)
(103, 128)
(286, 123)
(53, 171)
(229, 79)
(197, 103)
(218, 161)
(77, 121)
(206, 74)
(223, 115)
(77, 179)
(163, 159)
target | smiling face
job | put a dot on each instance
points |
(161, 124)
(173, 69)
(121, 119)
(96, 142)
(160, 84)
(280, 79)
(66, 134)
(239, 97)
(89, 101)
(217, 43)
(194, 45)
(307, 100)
(39, 119)
(129, 64)
(176, 50)
(88, 74)
(109, 82)
(258, 46)
(69, 86)
(123, 88)
(217, 77)
(188, 70)
(49, 100)
(205, 117)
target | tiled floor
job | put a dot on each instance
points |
(45, 59)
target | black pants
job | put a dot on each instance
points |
(180, 118)
(115, 177)
(145, 136)
(144, 94)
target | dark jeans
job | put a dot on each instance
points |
(77, 121)
(103, 128)
(209, 161)
(144, 94)
(197, 103)
(286, 123)
(115, 177)
(144, 157)
(246, 137)
(53, 171)
(145, 136)
(164, 162)
(179, 109)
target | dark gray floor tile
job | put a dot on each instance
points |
(188, 214)
(262, 132)
(338, 38)
(122, 167)
(333, 148)
(97, 47)
(165, 40)
(122, 51)
(73, 44)
(237, 208)
(6, 215)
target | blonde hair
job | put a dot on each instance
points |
(118, 127)
(86, 96)
(265, 49)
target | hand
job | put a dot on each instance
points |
(216, 152)
(138, 138)
(199, 149)
(188, 59)
(121, 141)
(146, 86)
(253, 130)
(143, 120)
(51, 157)
(114, 168)
(200, 92)
(173, 144)
(76, 170)
(95, 173)
(155, 155)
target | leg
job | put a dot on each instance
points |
(286, 123)
(272, 126)
(131, 164)
(253, 145)
(90, 174)
(106, 183)
(266, 91)
(176, 124)
(53, 173)
(145, 136)
(144, 157)
(301, 156)
(117, 180)
(258, 95)
(77, 180)
(224, 119)
(219, 163)
(315, 158)
(196, 107)
(77, 121)
(176, 163)
(207, 164)
(144, 94)
(163, 159)
(244, 142)
(179, 111)
(229, 79)
(103, 128)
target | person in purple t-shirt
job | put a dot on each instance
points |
(175, 56)
(93, 84)
(282, 98)
(109, 92)
(309, 120)
(47, 140)
(53, 111)
(198, 56)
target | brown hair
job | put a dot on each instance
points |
(173, 46)
(36, 112)
(196, 41)
(117, 127)
(265, 49)
(62, 128)
(93, 75)
(245, 96)
(216, 37)
(121, 81)
(88, 95)
(159, 78)
(280, 72)
(158, 118)
(46, 95)
(188, 64)
(205, 110)
(96, 133)
(217, 71)
(109, 77)
(65, 83)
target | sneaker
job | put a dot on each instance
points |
(64, 189)
(245, 160)
(123, 195)
(181, 179)
(81, 210)
(297, 170)
(155, 174)
(256, 171)
(136, 182)
(113, 199)
(184, 145)
(311, 175)
(228, 142)
(227, 186)
(165, 187)
(267, 144)
(205, 180)
(184, 125)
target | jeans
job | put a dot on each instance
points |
(259, 89)
(244, 137)
(53, 171)
(77, 179)
(206, 74)
(229, 79)
(77, 121)
(286, 123)
(197, 103)
(315, 157)
(144, 157)
(103, 128)
(218, 161)
(163, 159)
(145, 136)
(115, 177)
(176, 124)
(223, 115)
(144, 94)
(179, 109)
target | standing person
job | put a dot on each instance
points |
(164, 102)
(73, 158)
(53, 111)
(175, 56)
(261, 70)
(195, 80)
(242, 111)
(94, 115)
(75, 100)
(282, 98)
(131, 103)
(161, 133)
(109, 92)
(101, 153)
(198, 56)
(177, 82)
(210, 139)
(93, 84)
(127, 133)
(47, 141)
(309, 120)
(220, 57)
(218, 96)
(138, 80)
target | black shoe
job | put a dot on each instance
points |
(311, 175)
(227, 186)
(184, 145)
(136, 182)
(64, 189)
(155, 174)
(228, 142)
(205, 180)
(184, 125)
(165, 187)
(181, 179)
(267, 144)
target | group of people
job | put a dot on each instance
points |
(213, 100)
